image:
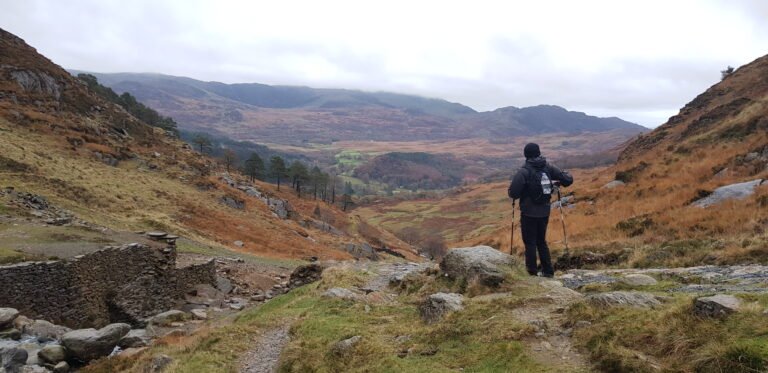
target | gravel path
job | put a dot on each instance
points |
(265, 355)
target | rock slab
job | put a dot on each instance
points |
(637, 279)
(624, 299)
(716, 306)
(733, 191)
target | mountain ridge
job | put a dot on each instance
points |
(263, 111)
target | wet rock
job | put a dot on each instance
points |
(32, 350)
(341, 293)
(733, 191)
(637, 279)
(61, 367)
(481, 263)
(13, 359)
(134, 339)
(45, 331)
(346, 347)
(623, 299)
(717, 306)
(52, 354)
(168, 317)
(436, 306)
(88, 344)
(7, 315)
(11, 333)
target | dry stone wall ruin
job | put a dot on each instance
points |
(116, 284)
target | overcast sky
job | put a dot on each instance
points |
(639, 60)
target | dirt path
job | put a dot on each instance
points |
(551, 346)
(265, 355)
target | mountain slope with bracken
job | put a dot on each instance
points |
(644, 203)
(91, 157)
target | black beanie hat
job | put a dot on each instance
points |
(532, 150)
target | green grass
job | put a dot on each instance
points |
(8, 256)
(484, 337)
(674, 338)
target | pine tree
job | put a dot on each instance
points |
(277, 169)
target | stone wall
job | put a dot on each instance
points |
(126, 283)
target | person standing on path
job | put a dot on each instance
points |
(533, 185)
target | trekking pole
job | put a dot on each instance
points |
(562, 217)
(512, 232)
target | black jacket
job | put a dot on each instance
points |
(517, 188)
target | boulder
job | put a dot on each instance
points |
(32, 350)
(224, 285)
(341, 293)
(168, 317)
(613, 184)
(199, 314)
(345, 347)
(638, 280)
(623, 299)
(45, 331)
(89, 344)
(436, 306)
(13, 359)
(733, 191)
(717, 306)
(7, 315)
(481, 263)
(21, 322)
(134, 339)
(52, 354)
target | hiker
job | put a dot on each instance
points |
(533, 185)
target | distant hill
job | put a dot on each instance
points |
(290, 115)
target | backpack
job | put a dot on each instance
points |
(538, 186)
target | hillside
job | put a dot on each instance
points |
(646, 217)
(292, 115)
(91, 157)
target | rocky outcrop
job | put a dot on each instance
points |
(89, 344)
(733, 191)
(480, 263)
(436, 306)
(361, 251)
(305, 274)
(717, 306)
(623, 299)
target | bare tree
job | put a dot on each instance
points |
(229, 158)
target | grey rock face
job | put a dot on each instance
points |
(37, 82)
(7, 315)
(341, 293)
(637, 279)
(362, 251)
(89, 344)
(623, 299)
(436, 306)
(233, 203)
(718, 306)
(733, 191)
(52, 354)
(224, 285)
(480, 263)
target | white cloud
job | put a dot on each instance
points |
(639, 60)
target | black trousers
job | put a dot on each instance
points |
(534, 231)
